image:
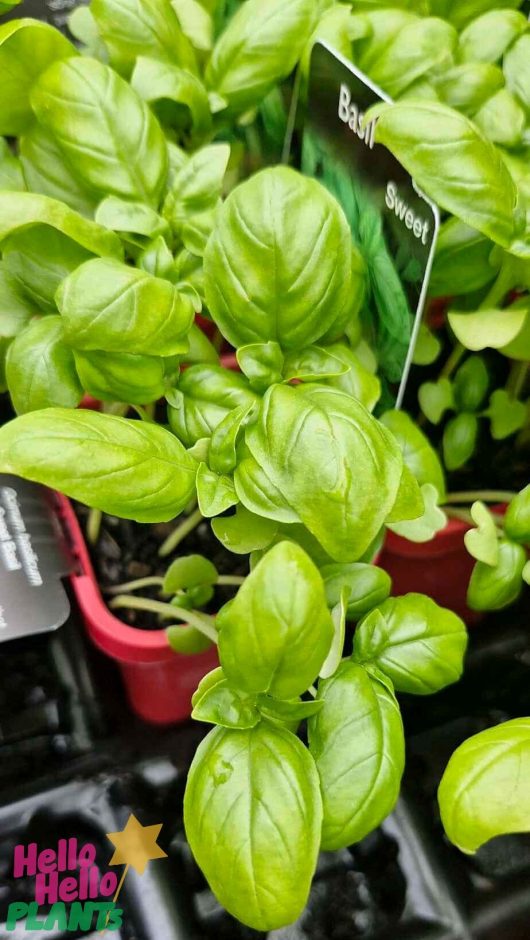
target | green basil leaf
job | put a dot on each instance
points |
(467, 87)
(421, 46)
(483, 792)
(471, 384)
(276, 709)
(464, 260)
(487, 37)
(189, 571)
(244, 532)
(157, 259)
(498, 587)
(257, 491)
(131, 28)
(22, 211)
(227, 706)
(380, 27)
(222, 456)
(83, 27)
(449, 157)
(215, 492)
(418, 454)
(11, 175)
(517, 70)
(482, 542)
(278, 265)
(338, 616)
(314, 364)
(40, 368)
(435, 398)
(16, 309)
(206, 394)
(39, 258)
(107, 134)
(507, 414)
(4, 346)
(425, 526)
(418, 644)
(126, 217)
(358, 745)
(127, 468)
(367, 586)
(210, 680)
(261, 45)
(262, 363)
(409, 502)
(187, 640)
(459, 440)
(517, 519)
(107, 305)
(253, 814)
(160, 83)
(27, 48)
(47, 173)
(519, 347)
(489, 328)
(526, 573)
(502, 119)
(461, 12)
(358, 381)
(197, 185)
(330, 460)
(276, 633)
(196, 22)
(137, 380)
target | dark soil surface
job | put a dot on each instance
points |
(126, 551)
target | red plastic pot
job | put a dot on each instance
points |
(159, 682)
(440, 568)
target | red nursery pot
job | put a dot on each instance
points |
(159, 682)
(440, 568)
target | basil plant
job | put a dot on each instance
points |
(289, 463)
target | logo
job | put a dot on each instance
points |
(71, 893)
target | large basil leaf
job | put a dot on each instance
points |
(23, 210)
(111, 306)
(418, 454)
(278, 265)
(106, 132)
(162, 84)
(27, 48)
(253, 814)
(46, 171)
(131, 28)
(109, 376)
(261, 45)
(484, 790)
(206, 394)
(127, 468)
(487, 37)
(418, 644)
(421, 46)
(16, 310)
(465, 260)
(358, 745)
(40, 368)
(276, 633)
(333, 463)
(450, 158)
(39, 258)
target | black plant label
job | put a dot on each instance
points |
(393, 223)
(33, 559)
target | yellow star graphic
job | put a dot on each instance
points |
(136, 845)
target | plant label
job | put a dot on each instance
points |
(393, 223)
(33, 559)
